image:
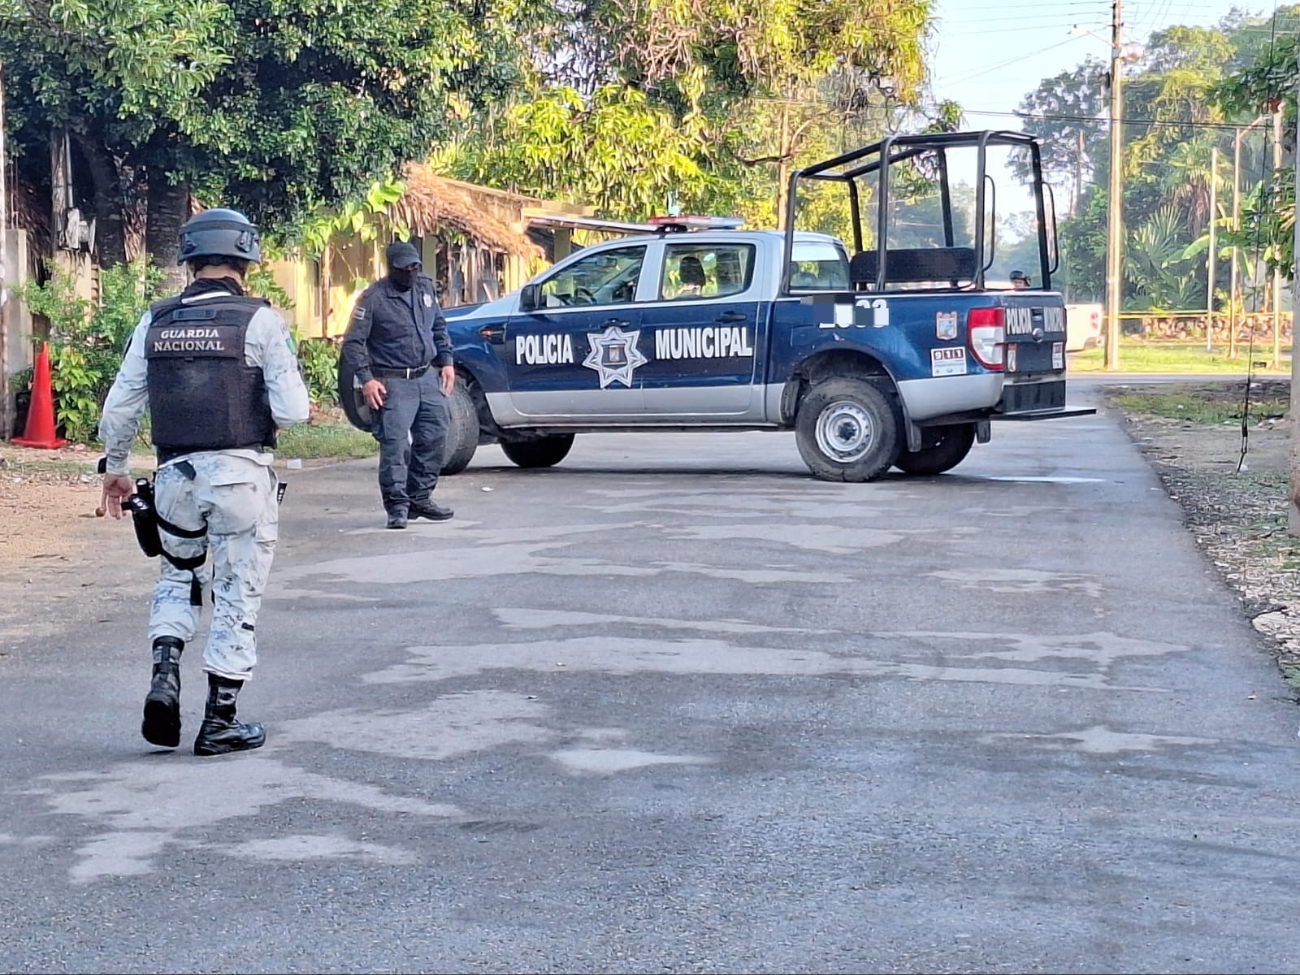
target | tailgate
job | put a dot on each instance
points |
(1035, 339)
(1034, 358)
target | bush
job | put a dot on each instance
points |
(320, 367)
(87, 341)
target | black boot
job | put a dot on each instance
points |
(427, 509)
(220, 732)
(162, 707)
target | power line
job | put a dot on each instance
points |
(1096, 120)
(1012, 60)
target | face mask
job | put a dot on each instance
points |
(402, 278)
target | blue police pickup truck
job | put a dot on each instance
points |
(875, 355)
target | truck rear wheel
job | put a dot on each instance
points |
(943, 448)
(462, 429)
(847, 430)
(543, 452)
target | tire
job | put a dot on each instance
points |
(543, 452)
(462, 429)
(847, 430)
(943, 449)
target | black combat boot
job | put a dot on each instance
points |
(427, 509)
(162, 707)
(220, 732)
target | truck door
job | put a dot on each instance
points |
(702, 331)
(581, 352)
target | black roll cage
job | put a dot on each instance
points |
(875, 159)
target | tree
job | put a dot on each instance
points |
(1156, 261)
(616, 151)
(1062, 111)
(89, 68)
(276, 107)
(734, 94)
(1176, 116)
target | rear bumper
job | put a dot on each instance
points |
(1037, 401)
(1062, 413)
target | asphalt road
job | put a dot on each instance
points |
(674, 706)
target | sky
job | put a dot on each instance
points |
(988, 56)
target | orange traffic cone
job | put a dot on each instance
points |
(40, 415)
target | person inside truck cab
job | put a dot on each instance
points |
(1019, 280)
(691, 273)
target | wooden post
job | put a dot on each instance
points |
(1214, 220)
(5, 296)
(1234, 288)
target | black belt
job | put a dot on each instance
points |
(414, 373)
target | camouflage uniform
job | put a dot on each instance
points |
(231, 492)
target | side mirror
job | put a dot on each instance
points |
(530, 297)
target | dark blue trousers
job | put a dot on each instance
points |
(411, 429)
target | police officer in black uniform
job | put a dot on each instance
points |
(397, 345)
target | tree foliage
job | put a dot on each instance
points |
(706, 103)
(276, 107)
(1181, 101)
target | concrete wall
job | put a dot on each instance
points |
(18, 325)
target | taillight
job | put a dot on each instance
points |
(988, 335)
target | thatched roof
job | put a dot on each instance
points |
(433, 202)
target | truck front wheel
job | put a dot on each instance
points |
(543, 452)
(943, 448)
(847, 430)
(462, 429)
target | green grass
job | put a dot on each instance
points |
(326, 439)
(1198, 408)
(1182, 357)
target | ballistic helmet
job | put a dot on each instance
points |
(219, 233)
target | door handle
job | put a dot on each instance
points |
(496, 334)
(732, 317)
(618, 323)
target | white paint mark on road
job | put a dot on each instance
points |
(1100, 740)
(143, 806)
(1021, 581)
(457, 724)
(631, 655)
(314, 846)
(1046, 479)
(1101, 648)
(607, 761)
(537, 619)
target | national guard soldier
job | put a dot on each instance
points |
(218, 371)
(396, 340)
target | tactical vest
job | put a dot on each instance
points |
(202, 394)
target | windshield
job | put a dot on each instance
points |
(605, 278)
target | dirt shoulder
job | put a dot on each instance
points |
(1235, 505)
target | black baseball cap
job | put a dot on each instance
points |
(402, 254)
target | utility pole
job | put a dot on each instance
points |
(1214, 220)
(1293, 509)
(1234, 287)
(1115, 217)
(1277, 273)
